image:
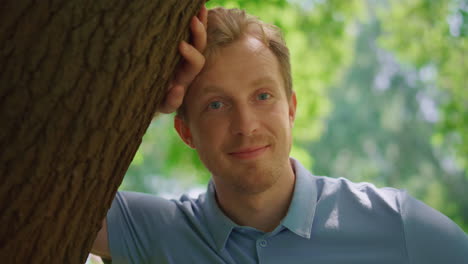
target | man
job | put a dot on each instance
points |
(262, 206)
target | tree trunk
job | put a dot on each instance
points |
(80, 83)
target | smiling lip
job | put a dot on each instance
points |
(249, 153)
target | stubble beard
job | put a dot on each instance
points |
(254, 180)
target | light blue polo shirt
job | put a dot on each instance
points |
(329, 221)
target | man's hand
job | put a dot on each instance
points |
(192, 63)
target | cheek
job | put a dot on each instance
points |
(281, 125)
(207, 134)
(281, 117)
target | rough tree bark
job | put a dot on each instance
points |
(80, 83)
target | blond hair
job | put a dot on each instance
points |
(226, 26)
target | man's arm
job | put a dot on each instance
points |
(431, 237)
(185, 74)
(101, 244)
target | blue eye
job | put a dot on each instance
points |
(215, 105)
(263, 96)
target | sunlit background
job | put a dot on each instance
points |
(382, 97)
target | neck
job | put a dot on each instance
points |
(263, 210)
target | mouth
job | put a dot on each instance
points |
(249, 153)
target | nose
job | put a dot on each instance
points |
(244, 121)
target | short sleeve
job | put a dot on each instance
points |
(430, 236)
(132, 226)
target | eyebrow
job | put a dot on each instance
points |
(215, 88)
(262, 80)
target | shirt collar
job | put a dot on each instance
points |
(298, 219)
(302, 208)
(219, 224)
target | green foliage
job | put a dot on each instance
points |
(163, 155)
(434, 34)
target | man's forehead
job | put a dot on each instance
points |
(247, 44)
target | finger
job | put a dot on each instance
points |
(203, 16)
(194, 62)
(199, 34)
(173, 100)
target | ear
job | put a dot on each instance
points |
(292, 108)
(183, 130)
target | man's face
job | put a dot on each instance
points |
(239, 118)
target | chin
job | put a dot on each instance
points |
(253, 189)
(256, 182)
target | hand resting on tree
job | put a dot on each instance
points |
(191, 65)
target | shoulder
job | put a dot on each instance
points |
(429, 236)
(393, 217)
(358, 194)
(147, 206)
(143, 226)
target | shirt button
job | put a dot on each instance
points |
(262, 243)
